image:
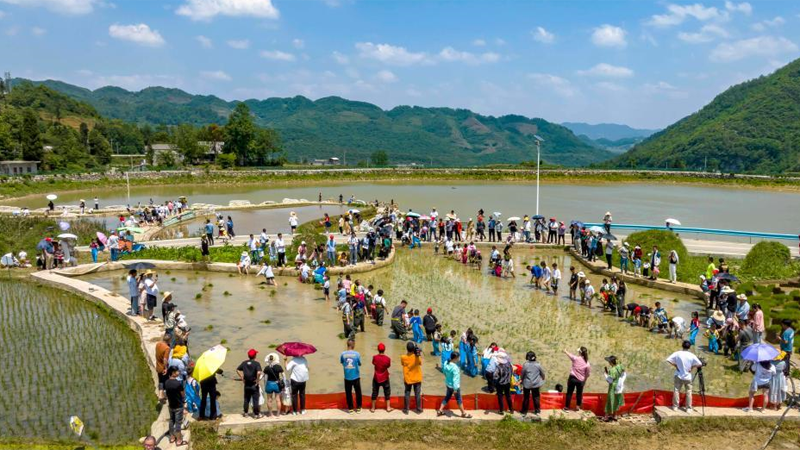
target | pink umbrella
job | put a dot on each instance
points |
(102, 237)
(296, 349)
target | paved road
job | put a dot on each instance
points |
(694, 246)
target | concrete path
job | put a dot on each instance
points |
(662, 413)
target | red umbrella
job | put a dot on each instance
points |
(296, 349)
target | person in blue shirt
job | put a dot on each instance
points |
(536, 274)
(787, 343)
(209, 231)
(416, 327)
(330, 247)
(452, 381)
(351, 362)
(133, 291)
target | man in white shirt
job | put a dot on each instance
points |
(151, 292)
(280, 247)
(252, 245)
(684, 362)
(113, 245)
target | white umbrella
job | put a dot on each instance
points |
(596, 229)
(497, 214)
(52, 197)
(514, 218)
(673, 222)
(64, 226)
(67, 236)
(354, 211)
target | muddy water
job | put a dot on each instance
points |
(507, 311)
(640, 203)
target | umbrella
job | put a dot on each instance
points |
(597, 229)
(537, 217)
(727, 276)
(497, 214)
(67, 236)
(7, 260)
(425, 217)
(63, 226)
(608, 236)
(577, 223)
(209, 362)
(514, 218)
(131, 229)
(354, 211)
(759, 352)
(296, 349)
(140, 266)
(673, 222)
(52, 197)
(412, 214)
(102, 238)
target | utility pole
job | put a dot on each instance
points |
(539, 141)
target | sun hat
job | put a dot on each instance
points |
(741, 297)
(244, 253)
(148, 272)
(276, 358)
(581, 275)
(727, 290)
(167, 294)
(718, 316)
(252, 353)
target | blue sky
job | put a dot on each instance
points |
(641, 63)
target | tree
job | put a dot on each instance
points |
(380, 158)
(30, 138)
(84, 134)
(184, 137)
(264, 147)
(99, 147)
(239, 133)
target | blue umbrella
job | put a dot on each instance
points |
(537, 217)
(577, 223)
(759, 352)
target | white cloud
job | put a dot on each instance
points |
(560, 86)
(386, 76)
(205, 42)
(664, 88)
(450, 54)
(38, 31)
(609, 36)
(609, 86)
(479, 43)
(677, 14)
(208, 9)
(707, 33)
(239, 44)
(216, 75)
(771, 23)
(277, 55)
(390, 54)
(139, 34)
(744, 7)
(298, 43)
(68, 7)
(340, 58)
(764, 46)
(543, 36)
(607, 71)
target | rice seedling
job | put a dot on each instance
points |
(209, 327)
(198, 296)
(251, 308)
(226, 293)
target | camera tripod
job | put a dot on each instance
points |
(698, 375)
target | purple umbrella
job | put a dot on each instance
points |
(759, 352)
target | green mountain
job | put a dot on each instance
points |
(751, 127)
(608, 131)
(618, 146)
(332, 126)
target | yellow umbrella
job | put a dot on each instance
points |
(209, 362)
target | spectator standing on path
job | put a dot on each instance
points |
(787, 343)
(250, 373)
(502, 382)
(113, 245)
(175, 399)
(297, 369)
(452, 382)
(351, 362)
(615, 377)
(532, 378)
(330, 248)
(412, 376)
(209, 228)
(162, 362)
(380, 379)
(280, 247)
(673, 266)
(96, 203)
(578, 374)
(758, 323)
(133, 291)
(208, 393)
(684, 362)
(609, 253)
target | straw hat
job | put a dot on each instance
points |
(581, 275)
(148, 272)
(741, 297)
(727, 290)
(276, 358)
(718, 316)
(244, 253)
(167, 294)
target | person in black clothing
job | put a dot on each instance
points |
(429, 323)
(175, 398)
(250, 372)
(204, 248)
(208, 390)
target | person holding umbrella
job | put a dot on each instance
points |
(762, 355)
(206, 369)
(297, 370)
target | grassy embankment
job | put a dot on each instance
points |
(18, 233)
(27, 186)
(506, 434)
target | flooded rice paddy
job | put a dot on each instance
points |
(64, 356)
(242, 312)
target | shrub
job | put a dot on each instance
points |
(769, 260)
(226, 160)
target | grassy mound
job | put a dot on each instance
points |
(689, 267)
(769, 260)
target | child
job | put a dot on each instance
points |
(498, 270)
(416, 327)
(286, 395)
(546, 276)
(713, 338)
(509, 267)
(94, 248)
(326, 288)
(437, 338)
(447, 347)
(556, 278)
(436, 244)
(694, 327)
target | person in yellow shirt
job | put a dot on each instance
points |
(711, 268)
(412, 376)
